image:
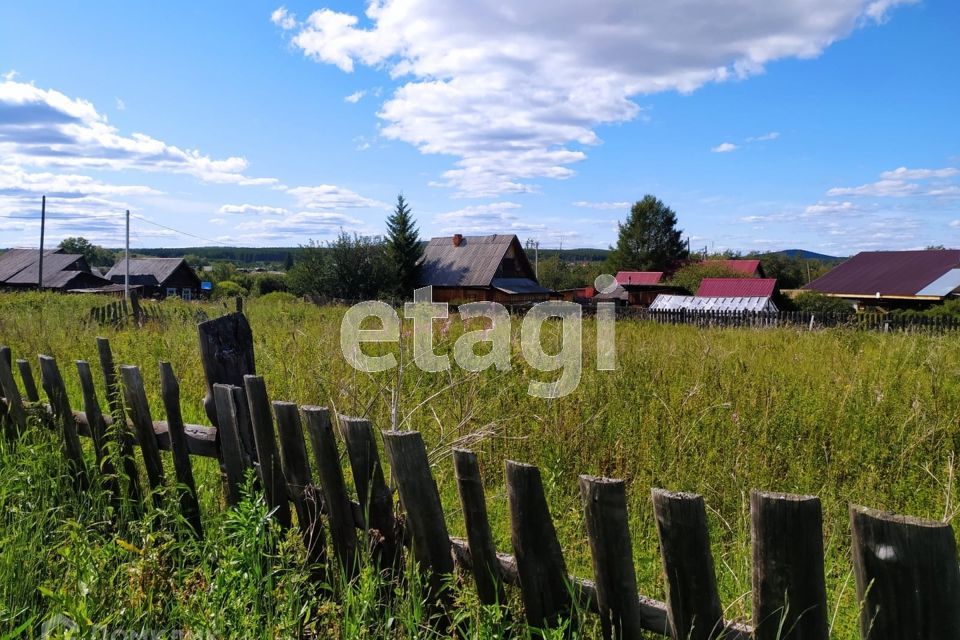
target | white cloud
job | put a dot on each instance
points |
(354, 97)
(904, 182)
(903, 173)
(283, 18)
(515, 91)
(251, 208)
(121, 105)
(601, 205)
(494, 217)
(724, 147)
(832, 208)
(328, 197)
(10, 75)
(773, 135)
(878, 9)
(297, 227)
(45, 128)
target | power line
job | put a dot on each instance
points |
(183, 233)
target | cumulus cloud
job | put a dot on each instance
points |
(283, 18)
(724, 147)
(495, 217)
(329, 197)
(298, 226)
(45, 128)
(515, 91)
(251, 208)
(904, 182)
(355, 97)
(601, 205)
(773, 135)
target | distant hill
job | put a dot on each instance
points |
(803, 254)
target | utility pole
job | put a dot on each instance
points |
(126, 259)
(536, 259)
(43, 224)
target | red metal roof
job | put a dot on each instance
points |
(889, 273)
(639, 277)
(748, 267)
(737, 287)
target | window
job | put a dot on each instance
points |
(187, 294)
(171, 292)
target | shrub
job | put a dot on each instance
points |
(227, 289)
(689, 277)
(813, 302)
(279, 297)
(268, 283)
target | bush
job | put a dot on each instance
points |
(227, 289)
(813, 302)
(268, 283)
(278, 297)
(689, 277)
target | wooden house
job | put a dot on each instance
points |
(20, 270)
(159, 277)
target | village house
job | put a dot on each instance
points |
(158, 277)
(474, 268)
(893, 279)
(20, 269)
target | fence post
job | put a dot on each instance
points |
(789, 592)
(376, 499)
(29, 386)
(229, 401)
(693, 605)
(226, 352)
(605, 512)
(98, 427)
(907, 576)
(296, 471)
(119, 420)
(544, 582)
(14, 407)
(268, 461)
(483, 553)
(136, 400)
(421, 501)
(343, 532)
(60, 403)
(170, 391)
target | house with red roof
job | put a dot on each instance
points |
(737, 287)
(749, 268)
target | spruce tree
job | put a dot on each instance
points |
(403, 248)
(649, 240)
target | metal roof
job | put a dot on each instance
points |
(889, 273)
(146, 271)
(942, 286)
(53, 264)
(13, 261)
(666, 302)
(737, 287)
(748, 267)
(639, 277)
(518, 285)
(473, 263)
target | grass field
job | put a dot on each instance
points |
(849, 416)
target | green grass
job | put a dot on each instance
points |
(849, 416)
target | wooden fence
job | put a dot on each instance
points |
(906, 569)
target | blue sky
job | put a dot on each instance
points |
(828, 125)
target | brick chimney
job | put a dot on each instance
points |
(457, 239)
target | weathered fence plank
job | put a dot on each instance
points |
(907, 576)
(98, 428)
(300, 487)
(226, 352)
(544, 583)
(187, 488)
(486, 567)
(229, 400)
(343, 533)
(135, 398)
(115, 404)
(693, 605)
(789, 591)
(421, 501)
(26, 376)
(16, 420)
(268, 459)
(605, 512)
(56, 392)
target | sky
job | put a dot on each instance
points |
(827, 125)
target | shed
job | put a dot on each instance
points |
(474, 268)
(159, 277)
(754, 304)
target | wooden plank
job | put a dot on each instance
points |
(789, 590)
(343, 533)
(226, 353)
(605, 512)
(425, 521)
(296, 471)
(29, 385)
(235, 464)
(98, 428)
(16, 419)
(375, 498)
(268, 465)
(183, 468)
(135, 398)
(907, 576)
(59, 401)
(486, 568)
(693, 604)
(115, 403)
(544, 582)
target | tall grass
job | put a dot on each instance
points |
(852, 417)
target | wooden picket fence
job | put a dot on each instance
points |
(906, 569)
